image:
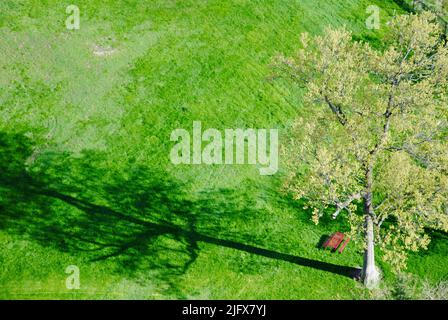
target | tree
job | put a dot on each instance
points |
(371, 143)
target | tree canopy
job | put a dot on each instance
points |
(373, 131)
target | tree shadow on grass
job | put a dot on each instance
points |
(147, 223)
(405, 5)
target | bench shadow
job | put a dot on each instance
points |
(141, 219)
(321, 241)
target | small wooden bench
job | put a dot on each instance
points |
(335, 240)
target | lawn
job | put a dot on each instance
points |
(86, 179)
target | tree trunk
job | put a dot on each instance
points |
(370, 274)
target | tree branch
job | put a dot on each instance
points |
(337, 111)
(343, 205)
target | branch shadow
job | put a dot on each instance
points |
(144, 221)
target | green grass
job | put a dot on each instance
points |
(86, 178)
